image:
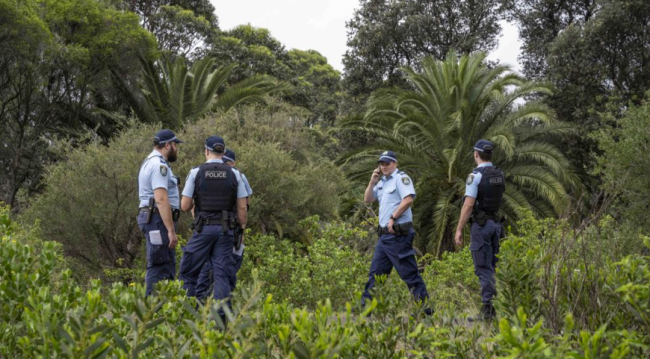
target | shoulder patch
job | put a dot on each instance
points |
(470, 179)
(406, 180)
(163, 170)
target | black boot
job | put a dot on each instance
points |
(487, 314)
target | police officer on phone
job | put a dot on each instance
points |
(219, 195)
(483, 196)
(159, 208)
(395, 192)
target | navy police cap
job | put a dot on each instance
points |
(229, 156)
(164, 136)
(484, 146)
(388, 156)
(213, 142)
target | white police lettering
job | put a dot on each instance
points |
(216, 175)
(496, 180)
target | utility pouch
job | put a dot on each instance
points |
(239, 237)
(197, 225)
(232, 222)
(224, 222)
(152, 201)
(480, 218)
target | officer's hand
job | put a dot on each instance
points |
(173, 240)
(375, 175)
(391, 223)
(459, 238)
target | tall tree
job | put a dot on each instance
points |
(254, 50)
(385, 35)
(540, 22)
(182, 27)
(433, 129)
(55, 63)
(594, 52)
(316, 84)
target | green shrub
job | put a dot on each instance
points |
(45, 314)
(553, 271)
(89, 203)
(623, 164)
(304, 275)
(451, 280)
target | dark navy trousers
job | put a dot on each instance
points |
(161, 261)
(398, 252)
(205, 278)
(484, 245)
(211, 247)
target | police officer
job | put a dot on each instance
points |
(395, 193)
(218, 192)
(205, 278)
(159, 203)
(483, 195)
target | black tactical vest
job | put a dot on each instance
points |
(215, 188)
(490, 189)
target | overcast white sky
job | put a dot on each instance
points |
(320, 25)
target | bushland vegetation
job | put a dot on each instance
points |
(84, 85)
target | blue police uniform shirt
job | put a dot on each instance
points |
(471, 186)
(188, 190)
(390, 192)
(249, 190)
(156, 173)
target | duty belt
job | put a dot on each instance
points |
(176, 213)
(212, 222)
(400, 229)
(481, 217)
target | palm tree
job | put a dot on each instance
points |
(433, 126)
(172, 93)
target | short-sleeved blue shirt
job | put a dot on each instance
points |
(249, 190)
(156, 173)
(188, 190)
(390, 192)
(473, 180)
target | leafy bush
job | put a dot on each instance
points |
(553, 271)
(623, 164)
(45, 314)
(98, 185)
(306, 274)
(451, 280)
(90, 202)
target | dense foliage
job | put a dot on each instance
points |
(84, 85)
(56, 59)
(553, 303)
(290, 177)
(594, 53)
(622, 169)
(384, 36)
(253, 51)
